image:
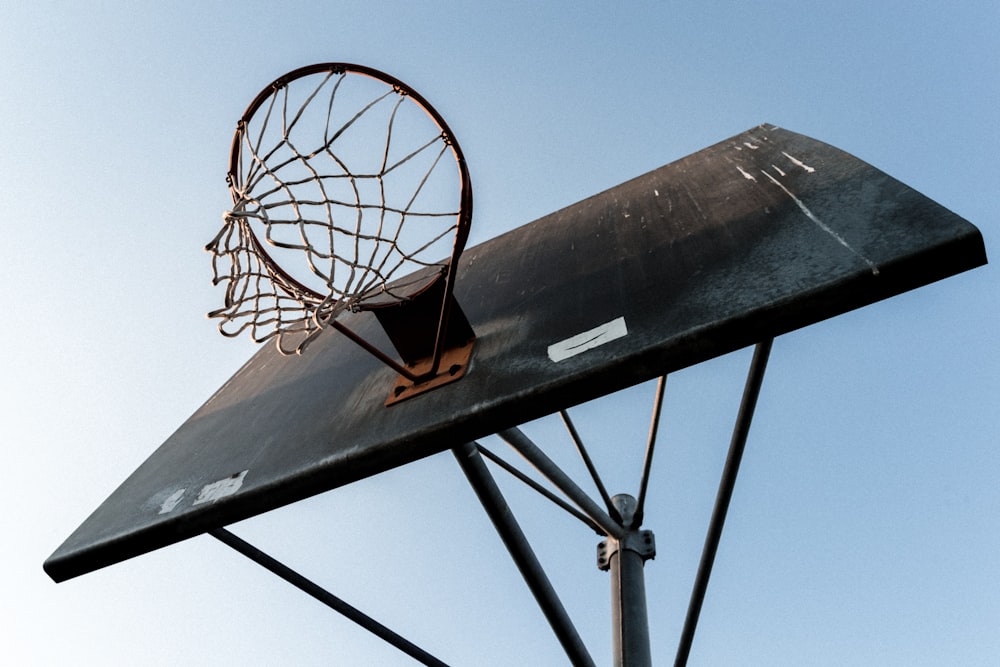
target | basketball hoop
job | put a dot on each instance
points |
(349, 193)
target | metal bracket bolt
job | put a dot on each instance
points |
(639, 541)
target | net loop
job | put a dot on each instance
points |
(349, 192)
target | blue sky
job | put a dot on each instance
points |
(864, 525)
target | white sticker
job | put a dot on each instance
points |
(588, 340)
(224, 487)
(172, 501)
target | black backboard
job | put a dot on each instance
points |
(761, 234)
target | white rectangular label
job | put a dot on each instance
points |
(588, 340)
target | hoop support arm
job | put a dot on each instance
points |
(506, 525)
(526, 448)
(327, 598)
(740, 432)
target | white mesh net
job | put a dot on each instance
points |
(343, 186)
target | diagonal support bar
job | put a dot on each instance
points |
(741, 430)
(538, 488)
(647, 464)
(482, 482)
(587, 461)
(530, 451)
(327, 598)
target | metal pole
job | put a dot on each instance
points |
(625, 558)
(520, 550)
(628, 610)
(587, 461)
(740, 432)
(647, 464)
(538, 488)
(526, 448)
(327, 598)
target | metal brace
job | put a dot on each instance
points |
(639, 541)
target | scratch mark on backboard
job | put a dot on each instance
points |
(798, 163)
(747, 175)
(819, 223)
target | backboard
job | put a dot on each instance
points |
(756, 236)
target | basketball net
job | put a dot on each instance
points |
(348, 192)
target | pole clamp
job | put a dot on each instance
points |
(641, 542)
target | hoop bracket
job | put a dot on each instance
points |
(453, 364)
(432, 336)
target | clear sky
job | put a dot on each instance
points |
(865, 527)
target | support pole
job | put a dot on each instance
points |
(520, 550)
(741, 430)
(543, 464)
(625, 559)
(327, 598)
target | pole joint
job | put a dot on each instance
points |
(632, 539)
(641, 542)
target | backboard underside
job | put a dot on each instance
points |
(761, 234)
